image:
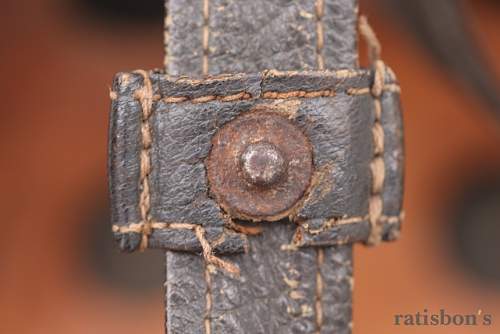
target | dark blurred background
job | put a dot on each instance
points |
(59, 272)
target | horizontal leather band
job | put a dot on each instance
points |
(170, 223)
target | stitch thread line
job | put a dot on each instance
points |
(207, 251)
(208, 98)
(320, 253)
(208, 300)
(137, 227)
(393, 219)
(243, 95)
(166, 36)
(299, 93)
(334, 222)
(377, 166)
(392, 88)
(206, 33)
(200, 235)
(367, 32)
(320, 11)
(145, 97)
(166, 60)
(209, 256)
(320, 258)
(274, 95)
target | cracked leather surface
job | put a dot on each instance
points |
(340, 22)
(339, 128)
(342, 141)
(182, 132)
(250, 36)
(178, 186)
(337, 289)
(277, 291)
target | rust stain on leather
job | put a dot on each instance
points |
(260, 166)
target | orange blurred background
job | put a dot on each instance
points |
(59, 271)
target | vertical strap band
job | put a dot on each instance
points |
(280, 289)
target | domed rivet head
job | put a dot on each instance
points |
(259, 166)
(262, 164)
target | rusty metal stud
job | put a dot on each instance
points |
(260, 166)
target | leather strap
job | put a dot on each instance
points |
(280, 289)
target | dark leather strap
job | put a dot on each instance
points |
(280, 290)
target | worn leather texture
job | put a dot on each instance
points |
(339, 128)
(251, 36)
(295, 277)
(275, 293)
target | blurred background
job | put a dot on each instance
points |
(59, 271)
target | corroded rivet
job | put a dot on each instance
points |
(259, 166)
(262, 164)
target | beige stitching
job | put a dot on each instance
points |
(207, 251)
(378, 79)
(339, 74)
(320, 257)
(199, 232)
(298, 93)
(275, 95)
(320, 9)
(358, 91)
(166, 36)
(243, 95)
(393, 219)
(374, 46)
(145, 97)
(272, 95)
(210, 257)
(393, 88)
(320, 6)
(208, 300)
(137, 227)
(378, 138)
(206, 33)
(207, 98)
(377, 165)
(331, 223)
